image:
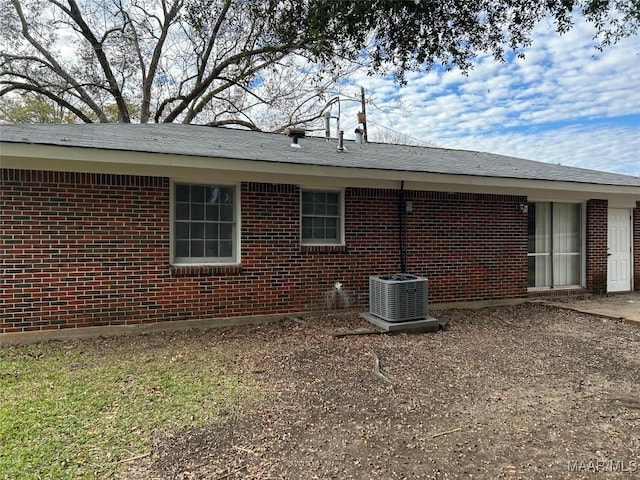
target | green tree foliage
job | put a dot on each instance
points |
(411, 35)
(32, 109)
(256, 63)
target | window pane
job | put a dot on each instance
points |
(226, 249)
(197, 194)
(566, 244)
(531, 224)
(566, 269)
(574, 270)
(211, 248)
(226, 196)
(182, 193)
(213, 195)
(226, 231)
(212, 213)
(566, 228)
(332, 198)
(307, 208)
(539, 228)
(319, 228)
(531, 271)
(197, 231)
(182, 230)
(197, 211)
(197, 248)
(539, 274)
(211, 231)
(307, 230)
(182, 211)
(226, 213)
(182, 249)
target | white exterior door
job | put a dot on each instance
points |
(619, 259)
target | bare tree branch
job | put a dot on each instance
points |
(228, 82)
(201, 87)
(57, 99)
(56, 67)
(240, 123)
(150, 75)
(75, 13)
(211, 43)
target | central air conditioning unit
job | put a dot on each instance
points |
(398, 298)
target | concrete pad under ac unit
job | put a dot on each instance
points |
(427, 324)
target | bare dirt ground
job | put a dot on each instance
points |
(528, 391)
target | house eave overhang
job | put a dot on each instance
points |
(190, 167)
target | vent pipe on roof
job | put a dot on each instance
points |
(359, 135)
(327, 125)
(295, 134)
(341, 141)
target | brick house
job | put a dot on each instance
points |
(104, 226)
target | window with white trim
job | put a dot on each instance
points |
(321, 217)
(555, 244)
(204, 224)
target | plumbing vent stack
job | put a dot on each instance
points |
(359, 135)
(327, 124)
(341, 141)
(295, 134)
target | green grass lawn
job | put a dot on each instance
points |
(77, 409)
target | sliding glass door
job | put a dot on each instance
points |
(555, 244)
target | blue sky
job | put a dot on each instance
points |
(566, 103)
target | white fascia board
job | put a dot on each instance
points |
(188, 168)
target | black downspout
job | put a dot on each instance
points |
(401, 228)
(551, 241)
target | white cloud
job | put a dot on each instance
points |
(566, 102)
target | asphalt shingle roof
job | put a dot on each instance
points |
(202, 141)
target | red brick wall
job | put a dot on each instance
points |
(81, 249)
(596, 242)
(636, 247)
(469, 246)
(90, 249)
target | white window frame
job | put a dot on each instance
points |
(581, 253)
(208, 261)
(340, 241)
